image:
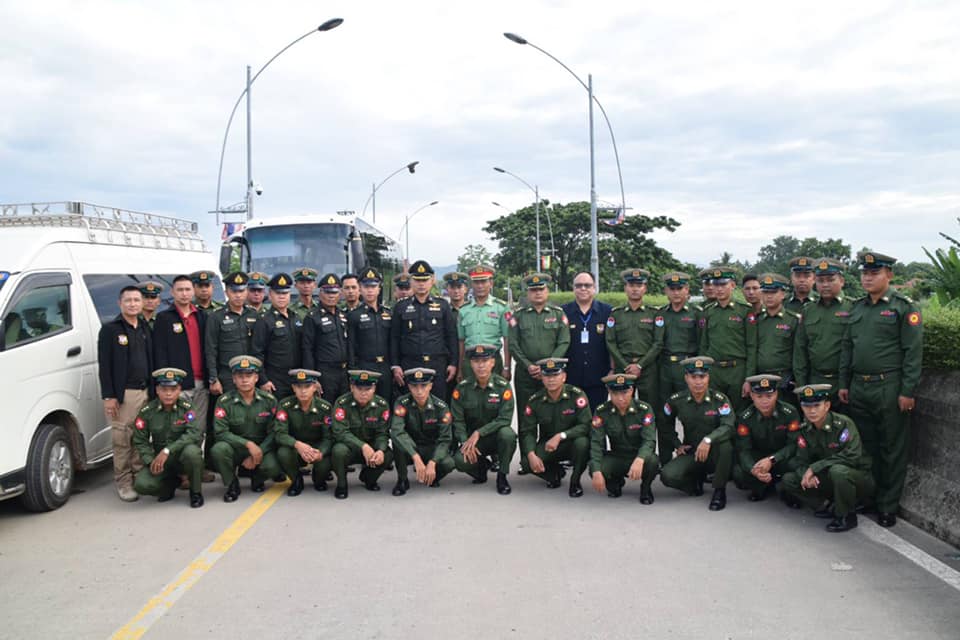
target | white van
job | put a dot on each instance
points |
(62, 266)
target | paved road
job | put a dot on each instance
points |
(461, 560)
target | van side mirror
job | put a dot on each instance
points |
(227, 251)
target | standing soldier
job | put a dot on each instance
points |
(751, 292)
(766, 438)
(361, 432)
(229, 333)
(423, 332)
(421, 432)
(349, 292)
(125, 361)
(167, 437)
(401, 286)
(706, 283)
(305, 280)
(801, 278)
(482, 407)
(554, 427)
(728, 335)
(830, 463)
(707, 419)
(484, 321)
(325, 346)
(587, 355)
(816, 349)
(776, 329)
(244, 423)
(634, 337)
(150, 291)
(203, 291)
(305, 437)
(880, 362)
(256, 290)
(455, 284)
(538, 330)
(629, 425)
(679, 320)
(276, 339)
(368, 330)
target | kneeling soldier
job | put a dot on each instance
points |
(243, 423)
(766, 437)
(707, 430)
(361, 432)
(829, 463)
(560, 412)
(421, 430)
(629, 424)
(482, 408)
(167, 435)
(304, 438)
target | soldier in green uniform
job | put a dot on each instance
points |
(303, 432)
(634, 339)
(361, 432)
(537, 330)
(401, 286)
(229, 333)
(776, 329)
(150, 291)
(482, 407)
(243, 422)
(256, 291)
(421, 430)
(728, 335)
(766, 438)
(801, 279)
(816, 348)
(305, 280)
(880, 361)
(455, 286)
(830, 463)
(679, 319)
(484, 320)
(629, 425)
(167, 435)
(368, 330)
(707, 419)
(276, 339)
(706, 283)
(554, 426)
(203, 291)
(750, 286)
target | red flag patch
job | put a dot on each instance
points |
(743, 430)
(528, 411)
(140, 424)
(400, 410)
(801, 442)
(913, 319)
(581, 402)
(597, 422)
(220, 412)
(794, 426)
(385, 415)
(282, 416)
(340, 414)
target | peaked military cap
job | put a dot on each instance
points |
(280, 283)
(697, 365)
(421, 270)
(481, 272)
(764, 383)
(419, 375)
(330, 283)
(369, 275)
(305, 273)
(827, 266)
(872, 260)
(537, 280)
(706, 275)
(203, 277)
(456, 279)
(813, 393)
(773, 281)
(402, 281)
(303, 376)
(619, 381)
(236, 280)
(552, 366)
(363, 378)
(676, 279)
(257, 280)
(245, 363)
(637, 276)
(801, 263)
(479, 351)
(168, 376)
(722, 273)
(151, 289)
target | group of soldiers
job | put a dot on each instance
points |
(811, 393)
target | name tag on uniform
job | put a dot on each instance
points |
(585, 336)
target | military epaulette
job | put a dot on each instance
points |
(575, 390)
(286, 403)
(795, 314)
(404, 400)
(440, 404)
(464, 383)
(643, 406)
(184, 404)
(619, 308)
(605, 407)
(345, 398)
(746, 413)
(786, 408)
(678, 395)
(709, 305)
(266, 395)
(499, 380)
(537, 396)
(379, 402)
(719, 396)
(497, 300)
(902, 296)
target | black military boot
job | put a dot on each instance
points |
(341, 493)
(481, 476)
(825, 510)
(296, 485)
(232, 492)
(401, 487)
(553, 477)
(698, 486)
(257, 484)
(576, 490)
(503, 486)
(646, 494)
(843, 523)
(171, 490)
(196, 500)
(614, 490)
(719, 500)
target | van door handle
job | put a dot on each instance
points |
(73, 351)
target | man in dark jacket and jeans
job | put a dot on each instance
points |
(126, 360)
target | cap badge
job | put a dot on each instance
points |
(674, 278)
(621, 380)
(203, 276)
(421, 269)
(418, 375)
(869, 259)
(717, 273)
(698, 364)
(536, 279)
(301, 375)
(169, 375)
(824, 265)
(238, 279)
(244, 363)
(551, 364)
(364, 376)
(808, 392)
(802, 262)
(282, 281)
(765, 383)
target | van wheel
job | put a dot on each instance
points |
(49, 472)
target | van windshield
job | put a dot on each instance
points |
(4, 276)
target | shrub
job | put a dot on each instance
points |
(613, 298)
(941, 337)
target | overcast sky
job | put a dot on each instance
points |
(741, 120)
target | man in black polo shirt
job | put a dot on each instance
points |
(124, 352)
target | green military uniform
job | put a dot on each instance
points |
(535, 335)
(816, 348)
(299, 307)
(236, 423)
(881, 355)
(728, 334)
(355, 426)
(794, 303)
(311, 426)
(177, 432)
(487, 410)
(635, 337)
(205, 278)
(631, 436)
(760, 436)
(150, 289)
(485, 323)
(258, 280)
(543, 418)
(711, 421)
(426, 431)
(834, 453)
(775, 335)
(228, 334)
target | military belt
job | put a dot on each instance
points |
(677, 357)
(332, 365)
(831, 374)
(724, 364)
(875, 377)
(380, 359)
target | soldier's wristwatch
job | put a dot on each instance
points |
(563, 435)
(166, 451)
(707, 440)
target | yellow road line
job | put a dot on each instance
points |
(159, 604)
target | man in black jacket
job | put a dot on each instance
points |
(125, 356)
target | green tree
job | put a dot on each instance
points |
(945, 276)
(474, 254)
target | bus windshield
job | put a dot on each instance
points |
(286, 248)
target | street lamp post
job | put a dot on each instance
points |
(536, 195)
(406, 225)
(333, 23)
(594, 256)
(411, 167)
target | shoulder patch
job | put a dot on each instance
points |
(597, 422)
(794, 426)
(507, 394)
(647, 419)
(581, 402)
(456, 394)
(844, 435)
(667, 409)
(913, 318)
(282, 415)
(220, 412)
(743, 430)
(528, 411)
(340, 414)
(400, 410)
(140, 424)
(611, 321)
(724, 409)
(385, 415)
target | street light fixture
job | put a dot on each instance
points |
(411, 167)
(588, 85)
(247, 208)
(406, 225)
(536, 195)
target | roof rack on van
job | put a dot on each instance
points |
(107, 225)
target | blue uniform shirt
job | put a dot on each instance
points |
(590, 361)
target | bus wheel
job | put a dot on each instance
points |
(49, 472)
